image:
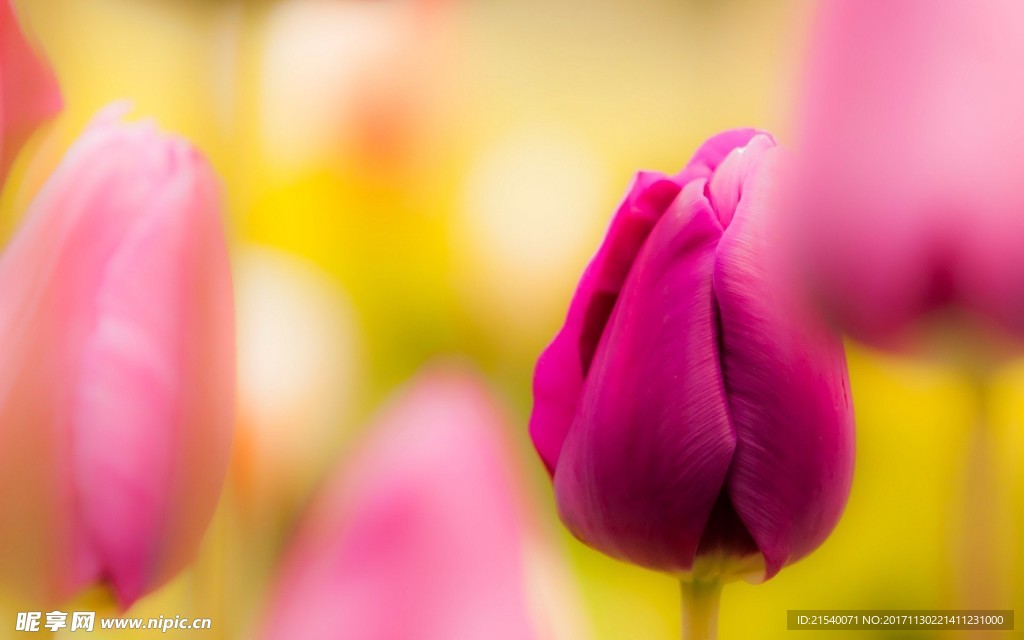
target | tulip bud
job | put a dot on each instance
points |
(117, 368)
(909, 197)
(28, 90)
(420, 536)
(694, 419)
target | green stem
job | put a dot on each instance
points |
(700, 609)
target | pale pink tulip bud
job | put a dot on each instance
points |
(116, 368)
(420, 537)
(908, 195)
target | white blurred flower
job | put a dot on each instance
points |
(298, 364)
(349, 77)
(532, 208)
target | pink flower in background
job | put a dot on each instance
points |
(911, 143)
(116, 368)
(419, 537)
(689, 407)
(28, 89)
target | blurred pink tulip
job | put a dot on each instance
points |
(909, 192)
(419, 539)
(116, 368)
(28, 89)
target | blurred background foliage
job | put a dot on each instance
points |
(406, 179)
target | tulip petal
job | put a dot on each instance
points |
(152, 381)
(47, 276)
(648, 452)
(563, 366)
(28, 89)
(118, 335)
(420, 537)
(785, 376)
(713, 152)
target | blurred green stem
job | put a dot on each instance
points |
(700, 609)
(980, 556)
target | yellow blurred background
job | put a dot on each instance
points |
(418, 178)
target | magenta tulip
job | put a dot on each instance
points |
(910, 199)
(688, 408)
(420, 537)
(117, 368)
(28, 89)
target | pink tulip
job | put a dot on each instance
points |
(910, 198)
(116, 368)
(419, 538)
(28, 89)
(689, 408)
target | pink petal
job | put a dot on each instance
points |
(647, 454)
(563, 366)
(47, 275)
(910, 147)
(156, 379)
(419, 537)
(117, 309)
(29, 94)
(714, 150)
(785, 374)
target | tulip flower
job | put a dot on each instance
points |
(694, 419)
(117, 368)
(28, 89)
(909, 199)
(419, 537)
